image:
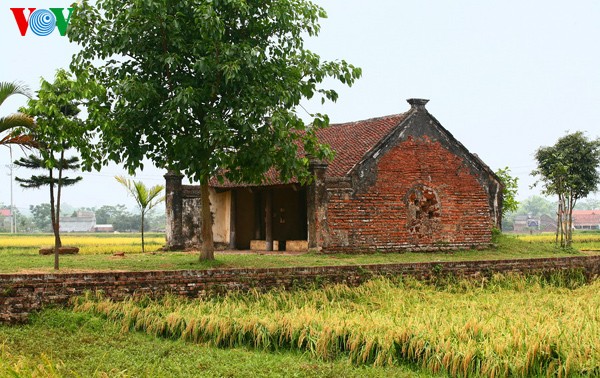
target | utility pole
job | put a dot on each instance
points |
(13, 216)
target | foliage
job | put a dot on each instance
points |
(509, 191)
(41, 216)
(588, 204)
(36, 162)
(536, 206)
(569, 170)
(51, 180)
(146, 198)
(57, 129)
(456, 328)
(120, 218)
(11, 126)
(206, 88)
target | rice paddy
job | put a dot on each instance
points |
(19, 253)
(586, 240)
(504, 326)
(88, 243)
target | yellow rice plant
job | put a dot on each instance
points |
(510, 326)
(581, 240)
(87, 243)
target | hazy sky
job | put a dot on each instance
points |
(503, 77)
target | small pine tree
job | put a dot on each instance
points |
(53, 180)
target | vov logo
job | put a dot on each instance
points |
(42, 22)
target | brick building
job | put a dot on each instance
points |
(586, 219)
(399, 182)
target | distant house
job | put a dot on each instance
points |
(5, 219)
(586, 219)
(527, 223)
(83, 221)
(104, 228)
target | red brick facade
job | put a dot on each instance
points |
(386, 217)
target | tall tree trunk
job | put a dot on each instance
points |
(571, 205)
(563, 225)
(143, 250)
(557, 222)
(208, 247)
(57, 240)
(53, 219)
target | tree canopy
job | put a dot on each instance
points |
(509, 190)
(206, 88)
(569, 170)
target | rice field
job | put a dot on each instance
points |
(505, 326)
(586, 240)
(87, 243)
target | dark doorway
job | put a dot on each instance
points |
(288, 217)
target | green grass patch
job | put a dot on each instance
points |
(21, 259)
(60, 343)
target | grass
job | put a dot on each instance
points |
(507, 326)
(19, 254)
(60, 343)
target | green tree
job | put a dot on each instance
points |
(41, 216)
(569, 170)
(536, 206)
(206, 88)
(52, 180)
(146, 198)
(11, 125)
(120, 218)
(509, 190)
(57, 129)
(588, 204)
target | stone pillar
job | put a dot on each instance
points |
(315, 204)
(174, 206)
(269, 220)
(232, 218)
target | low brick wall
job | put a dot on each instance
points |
(21, 294)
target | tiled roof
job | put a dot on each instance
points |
(5, 212)
(586, 217)
(351, 142)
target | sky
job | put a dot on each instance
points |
(503, 77)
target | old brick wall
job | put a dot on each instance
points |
(422, 197)
(21, 294)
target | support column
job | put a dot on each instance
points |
(257, 218)
(315, 204)
(174, 211)
(269, 220)
(232, 217)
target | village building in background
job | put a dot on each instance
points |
(586, 219)
(81, 221)
(399, 182)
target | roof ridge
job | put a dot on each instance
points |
(373, 119)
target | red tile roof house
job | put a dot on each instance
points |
(586, 219)
(396, 183)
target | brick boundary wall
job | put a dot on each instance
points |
(21, 294)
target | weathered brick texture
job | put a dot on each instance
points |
(424, 197)
(21, 294)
